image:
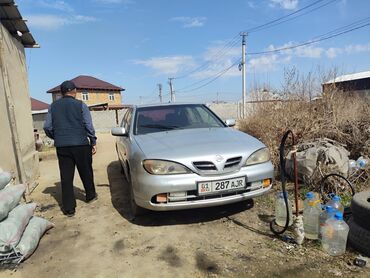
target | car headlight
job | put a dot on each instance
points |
(260, 156)
(162, 167)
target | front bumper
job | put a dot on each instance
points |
(146, 187)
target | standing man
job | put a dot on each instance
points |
(69, 123)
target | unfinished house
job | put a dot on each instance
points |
(17, 145)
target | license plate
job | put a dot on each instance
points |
(207, 187)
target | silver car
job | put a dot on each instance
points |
(182, 156)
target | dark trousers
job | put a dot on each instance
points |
(68, 158)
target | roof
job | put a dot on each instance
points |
(349, 77)
(38, 105)
(85, 82)
(12, 20)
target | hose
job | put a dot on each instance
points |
(283, 184)
(325, 199)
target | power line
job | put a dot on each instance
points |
(321, 38)
(256, 29)
(214, 78)
(223, 51)
(228, 46)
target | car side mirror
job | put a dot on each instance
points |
(119, 131)
(230, 122)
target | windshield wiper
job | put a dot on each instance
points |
(165, 127)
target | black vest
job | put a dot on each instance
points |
(68, 125)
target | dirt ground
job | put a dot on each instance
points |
(102, 241)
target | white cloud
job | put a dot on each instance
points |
(333, 52)
(284, 4)
(308, 51)
(251, 4)
(266, 63)
(355, 48)
(190, 22)
(52, 22)
(170, 65)
(56, 5)
(216, 59)
(125, 2)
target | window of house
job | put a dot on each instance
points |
(111, 96)
(57, 96)
(85, 96)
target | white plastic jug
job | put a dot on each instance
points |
(311, 215)
(335, 202)
(280, 210)
(326, 214)
(334, 237)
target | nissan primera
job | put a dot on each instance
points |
(182, 156)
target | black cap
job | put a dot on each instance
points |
(67, 86)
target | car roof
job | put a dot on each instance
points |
(167, 104)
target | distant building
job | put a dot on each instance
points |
(93, 91)
(356, 83)
(37, 105)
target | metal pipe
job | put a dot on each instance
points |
(295, 175)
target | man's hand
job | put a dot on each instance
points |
(94, 149)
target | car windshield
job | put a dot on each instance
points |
(171, 117)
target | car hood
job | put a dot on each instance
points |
(199, 143)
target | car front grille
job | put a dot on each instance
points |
(232, 162)
(205, 166)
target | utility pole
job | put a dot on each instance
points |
(217, 98)
(244, 88)
(160, 92)
(172, 92)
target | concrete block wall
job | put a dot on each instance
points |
(225, 110)
(104, 120)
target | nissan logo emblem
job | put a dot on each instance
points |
(219, 158)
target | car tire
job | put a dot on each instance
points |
(135, 209)
(359, 238)
(360, 207)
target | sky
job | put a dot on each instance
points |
(138, 44)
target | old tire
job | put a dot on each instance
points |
(360, 207)
(359, 238)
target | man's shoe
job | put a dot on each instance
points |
(92, 199)
(69, 213)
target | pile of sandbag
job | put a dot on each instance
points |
(20, 231)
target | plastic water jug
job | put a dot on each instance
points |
(311, 213)
(280, 210)
(334, 237)
(326, 214)
(362, 162)
(336, 203)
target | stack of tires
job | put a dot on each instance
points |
(359, 223)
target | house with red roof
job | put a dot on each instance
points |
(37, 105)
(93, 91)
